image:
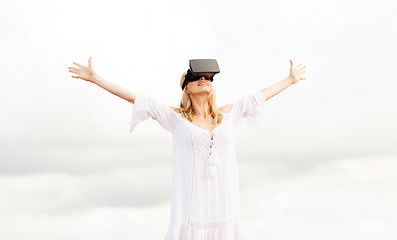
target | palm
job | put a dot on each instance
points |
(84, 72)
(296, 72)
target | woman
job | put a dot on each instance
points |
(205, 198)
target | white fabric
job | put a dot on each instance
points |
(205, 192)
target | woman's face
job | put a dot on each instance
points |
(200, 86)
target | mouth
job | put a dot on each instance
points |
(202, 83)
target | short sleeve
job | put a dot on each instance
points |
(250, 107)
(145, 107)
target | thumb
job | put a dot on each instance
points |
(291, 62)
(89, 61)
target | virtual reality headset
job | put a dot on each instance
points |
(197, 66)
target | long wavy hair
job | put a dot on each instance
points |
(186, 107)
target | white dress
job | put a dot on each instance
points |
(205, 189)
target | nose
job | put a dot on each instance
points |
(205, 79)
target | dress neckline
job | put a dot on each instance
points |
(200, 128)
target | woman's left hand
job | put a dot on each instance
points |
(296, 72)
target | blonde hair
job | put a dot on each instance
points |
(186, 107)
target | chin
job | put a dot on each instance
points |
(206, 91)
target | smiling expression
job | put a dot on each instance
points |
(200, 86)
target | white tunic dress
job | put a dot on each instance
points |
(205, 192)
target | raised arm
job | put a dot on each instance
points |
(294, 76)
(87, 73)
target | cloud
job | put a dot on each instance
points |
(343, 199)
(317, 169)
(334, 200)
(60, 192)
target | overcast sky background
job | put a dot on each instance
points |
(322, 166)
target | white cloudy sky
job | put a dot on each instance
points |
(322, 166)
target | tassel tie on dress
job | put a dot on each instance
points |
(213, 160)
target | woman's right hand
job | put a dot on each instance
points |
(85, 73)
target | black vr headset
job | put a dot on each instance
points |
(198, 66)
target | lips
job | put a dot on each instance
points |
(202, 83)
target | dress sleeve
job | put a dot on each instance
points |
(250, 107)
(145, 107)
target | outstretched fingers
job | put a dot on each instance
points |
(78, 64)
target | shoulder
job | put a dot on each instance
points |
(226, 108)
(177, 110)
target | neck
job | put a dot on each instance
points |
(200, 106)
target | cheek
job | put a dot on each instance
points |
(190, 86)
